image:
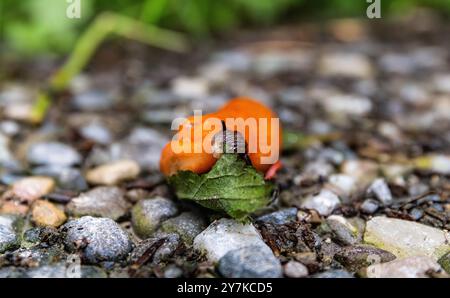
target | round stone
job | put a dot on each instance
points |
(147, 215)
(100, 239)
(250, 262)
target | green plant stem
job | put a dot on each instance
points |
(110, 23)
(104, 25)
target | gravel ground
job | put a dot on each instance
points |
(364, 192)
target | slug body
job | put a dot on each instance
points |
(197, 135)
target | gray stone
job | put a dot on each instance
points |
(143, 145)
(397, 63)
(15, 93)
(46, 253)
(67, 178)
(92, 272)
(350, 105)
(406, 238)
(414, 94)
(147, 215)
(279, 217)
(101, 201)
(334, 273)
(411, 267)
(354, 258)
(343, 230)
(369, 206)
(92, 101)
(172, 271)
(12, 272)
(96, 132)
(160, 116)
(381, 191)
(5, 153)
(101, 239)
(270, 63)
(65, 270)
(324, 203)
(292, 96)
(250, 262)
(224, 235)
(364, 171)
(317, 169)
(343, 184)
(238, 61)
(295, 269)
(53, 153)
(416, 213)
(188, 225)
(190, 87)
(9, 232)
(442, 83)
(57, 270)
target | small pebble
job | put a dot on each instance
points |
(9, 232)
(364, 171)
(9, 128)
(352, 65)
(369, 206)
(279, 217)
(92, 101)
(45, 214)
(406, 238)
(344, 231)
(173, 271)
(67, 178)
(188, 225)
(102, 239)
(411, 267)
(381, 191)
(102, 201)
(359, 256)
(113, 173)
(225, 235)
(190, 87)
(96, 132)
(416, 213)
(336, 273)
(147, 215)
(249, 262)
(295, 269)
(163, 246)
(53, 153)
(345, 184)
(32, 188)
(324, 203)
(351, 105)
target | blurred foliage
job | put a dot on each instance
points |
(41, 26)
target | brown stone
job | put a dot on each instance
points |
(45, 213)
(113, 173)
(32, 188)
(13, 207)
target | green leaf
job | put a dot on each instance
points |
(230, 186)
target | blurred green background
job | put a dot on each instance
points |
(41, 26)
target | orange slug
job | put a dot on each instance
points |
(254, 121)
